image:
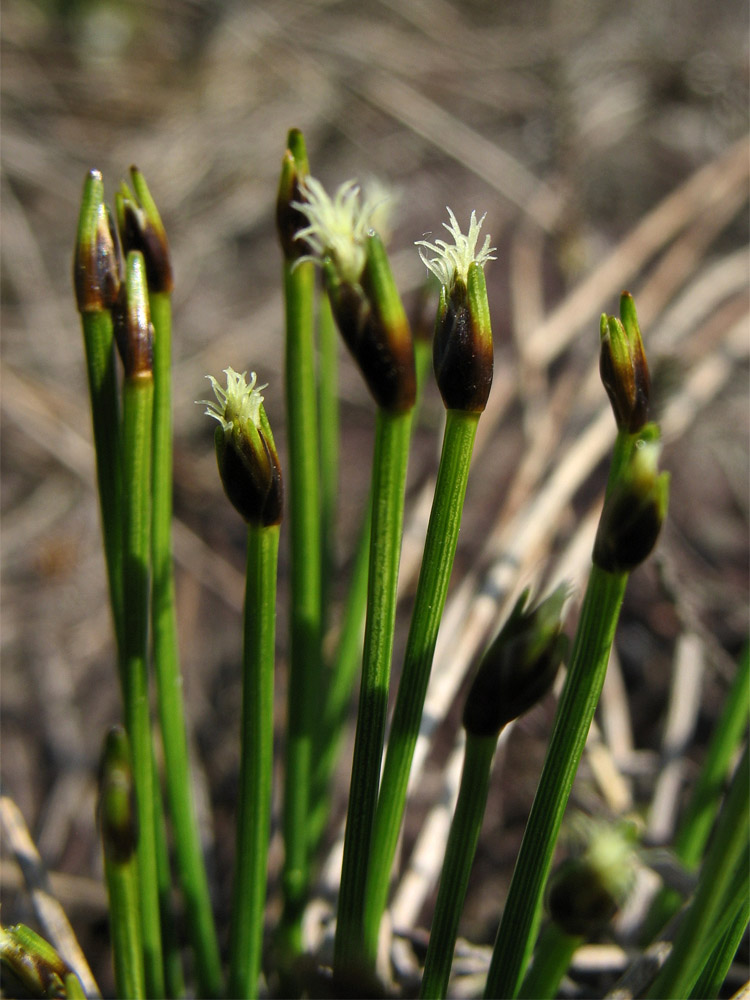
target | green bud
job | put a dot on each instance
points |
(33, 961)
(586, 891)
(141, 229)
(289, 219)
(245, 450)
(132, 319)
(519, 667)
(623, 367)
(118, 818)
(635, 508)
(97, 261)
(462, 345)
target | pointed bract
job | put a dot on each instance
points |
(141, 228)
(623, 367)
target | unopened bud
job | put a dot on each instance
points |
(289, 219)
(33, 962)
(586, 891)
(97, 261)
(519, 667)
(118, 816)
(141, 229)
(245, 450)
(132, 321)
(462, 346)
(635, 508)
(623, 367)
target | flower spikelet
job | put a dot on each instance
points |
(337, 227)
(452, 260)
(239, 403)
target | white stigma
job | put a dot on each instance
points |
(239, 403)
(337, 228)
(452, 260)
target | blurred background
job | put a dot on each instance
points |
(607, 144)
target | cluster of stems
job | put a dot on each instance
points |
(123, 282)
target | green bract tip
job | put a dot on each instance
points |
(141, 229)
(623, 367)
(133, 330)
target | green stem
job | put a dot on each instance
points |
(103, 390)
(432, 589)
(552, 958)
(728, 850)
(700, 813)
(459, 857)
(125, 927)
(583, 684)
(328, 406)
(388, 482)
(137, 419)
(192, 871)
(343, 674)
(256, 762)
(714, 972)
(305, 654)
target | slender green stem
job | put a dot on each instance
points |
(305, 600)
(125, 926)
(174, 974)
(580, 695)
(700, 813)
(256, 762)
(388, 482)
(714, 972)
(718, 878)
(552, 958)
(328, 407)
(432, 589)
(103, 390)
(343, 674)
(459, 857)
(192, 871)
(137, 420)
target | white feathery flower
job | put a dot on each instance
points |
(337, 228)
(452, 260)
(239, 403)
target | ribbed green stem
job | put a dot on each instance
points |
(700, 813)
(580, 695)
(714, 972)
(328, 408)
(343, 674)
(388, 482)
(137, 419)
(125, 925)
(305, 599)
(552, 958)
(191, 867)
(432, 589)
(718, 879)
(103, 390)
(459, 857)
(256, 762)
(171, 945)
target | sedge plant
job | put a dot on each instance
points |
(463, 361)
(123, 287)
(251, 476)
(634, 510)
(515, 672)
